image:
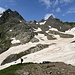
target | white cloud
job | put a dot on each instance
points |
(53, 3)
(56, 3)
(46, 2)
(66, 1)
(48, 15)
(12, 2)
(58, 10)
(2, 10)
(70, 11)
(63, 14)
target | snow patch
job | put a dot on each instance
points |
(36, 30)
(55, 53)
(57, 36)
(49, 26)
(42, 37)
(37, 23)
(0, 15)
(12, 38)
(62, 51)
(53, 29)
(71, 31)
(42, 23)
(15, 50)
(47, 31)
(20, 21)
(10, 30)
(14, 41)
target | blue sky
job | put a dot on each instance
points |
(38, 9)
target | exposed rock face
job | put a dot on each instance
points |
(47, 69)
(58, 24)
(12, 25)
(10, 14)
(34, 40)
(11, 58)
(62, 35)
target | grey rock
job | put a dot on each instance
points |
(33, 40)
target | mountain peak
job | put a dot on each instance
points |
(51, 17)
(10, 14)
(9, 10)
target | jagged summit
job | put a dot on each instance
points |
(51, 17)
(58, 24)
(9, 14)
(42, 20)
(9, 10)
(13, 25)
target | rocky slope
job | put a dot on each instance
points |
(45, 68)
(13, 26)
(58, 24)
(46, 40)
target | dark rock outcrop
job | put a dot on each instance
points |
(12, 20)
(58, 24)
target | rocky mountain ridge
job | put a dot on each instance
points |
(47, 40)
(13, 25)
